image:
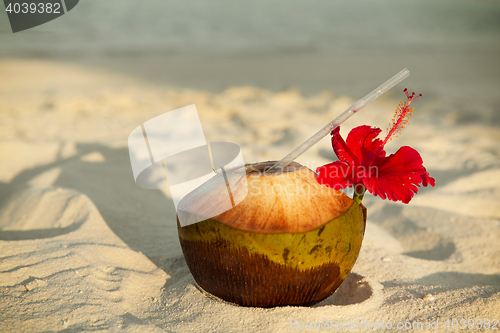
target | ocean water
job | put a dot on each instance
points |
(127, 27)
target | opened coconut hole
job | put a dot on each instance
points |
(265, 168)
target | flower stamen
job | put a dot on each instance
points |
(401, 117)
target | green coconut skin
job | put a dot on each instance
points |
(289, 240)
(337, 241)
(323, 256)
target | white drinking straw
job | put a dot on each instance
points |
(343, 117)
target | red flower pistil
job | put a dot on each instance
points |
(363, 162)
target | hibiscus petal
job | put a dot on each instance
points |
(335, 175)
(426, 180)
(341, 149)
(363, 144)
(398, 175)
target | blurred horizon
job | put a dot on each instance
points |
(131, 28)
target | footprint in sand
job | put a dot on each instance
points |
(37, 213)
(408, 227)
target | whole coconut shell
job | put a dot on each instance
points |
(291, 241)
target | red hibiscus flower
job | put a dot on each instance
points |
(363, 162)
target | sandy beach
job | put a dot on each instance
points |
(83, 248)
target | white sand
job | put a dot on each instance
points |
(83, 248)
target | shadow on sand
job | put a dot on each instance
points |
(143, 219)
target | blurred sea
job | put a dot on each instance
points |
(130, 27)
(452, 48)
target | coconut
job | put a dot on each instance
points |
(290, 241)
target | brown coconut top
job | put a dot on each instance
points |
(277, 201)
